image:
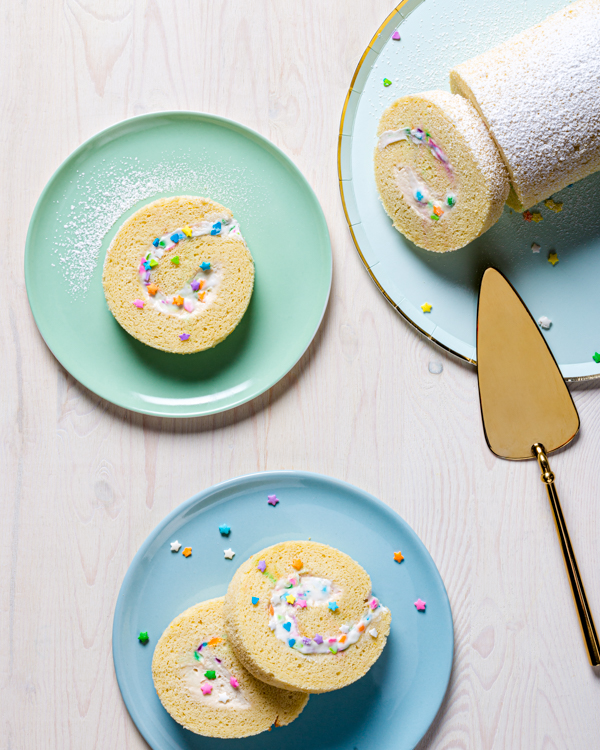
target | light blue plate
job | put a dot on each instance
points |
(435, 36)
(391, 707)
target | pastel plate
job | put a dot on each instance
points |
(391, 707)
(132, 163)
(434, 36)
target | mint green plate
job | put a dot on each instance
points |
(110, 177)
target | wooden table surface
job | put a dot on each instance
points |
(84, 482)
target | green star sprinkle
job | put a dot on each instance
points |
(143, 637)
(596, 358)
(387, 82)
(175, 260)
(211, 674)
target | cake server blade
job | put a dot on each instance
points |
(526, 407)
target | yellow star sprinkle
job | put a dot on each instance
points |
(553, 258)
(187, 231)
(553, 205)
(187, 552)
(426, 307)
(537, 217)
(290, 599)
(398, 556)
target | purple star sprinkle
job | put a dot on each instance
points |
(318, 638)
(195, 285)
(184, 336)
(306, 641)
(262, 566)
(273, 500)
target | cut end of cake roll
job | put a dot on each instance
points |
(203, 686)
(538, 94)
(302, 616)
(438, 172)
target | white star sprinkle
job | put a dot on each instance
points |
(222, 697)
(535, 247)
(544, 322)
(345, 629)
(229, 553)
(175, 546)
(373, 632)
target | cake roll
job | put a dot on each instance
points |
(178, 275)
(539, 95)
(203, 686)
(438, 172)
(302, 616)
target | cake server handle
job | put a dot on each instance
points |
(590, 636)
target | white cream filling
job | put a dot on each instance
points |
(420, 198)
(223, 694)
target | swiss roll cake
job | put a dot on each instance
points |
(539, 96)
(439, 174)
(302, 616)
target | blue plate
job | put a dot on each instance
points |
(435, 36)
(391, 707)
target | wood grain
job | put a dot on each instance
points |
(84, 482)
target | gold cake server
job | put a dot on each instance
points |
(526, 407)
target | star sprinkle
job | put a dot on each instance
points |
(187, 552)
(138, 303)
(373, 604)
(398, 557)
(544, 322)
(537, 217)
(195, 284)
(396, 36)
(333, 606)
(420, 605)
(262, 566)
(222, 697)
(596, 358)
(527, 215)
(255, 600)
(206, 689)
(318, 639)
(553, 257)
(272, 500)
(229, 553)
(143, 637)
(211, 674)
(184, 336)
(152, 289)
(387, 82)
(187, 231)
(535, 248)
(373, 632)
(345, 629)
(426, 307)
(224, 529)
(175, 546)
(553, 206)
(290, 598)
(233, 682)
(301, 604)
(205, 266)
(178, 300)
(297, 564)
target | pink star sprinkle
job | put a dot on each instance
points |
(273, 500)
(396, 35)
(234, 683)
(420, 605)
(207, 689)
(301, 604)
(184, 336)
(373, 604)
(138, 303)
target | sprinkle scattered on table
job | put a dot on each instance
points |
(544, 322)
(552, 257)
(229, 553)
(224, 529)
(396, 36)
(333, 606)
(537, 217)
(596, 358)
(426, 307)
(398, 557)
(138, 303)
(184, 336)
(527, 215)
(255, 600)
(555, 206)
(387, 82)
(143, 637)
(272, 500)
(420, 605)
(187, 552)
(175, 546)
(535, 248)
(262, 566)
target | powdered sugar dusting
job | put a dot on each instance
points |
(105, 194)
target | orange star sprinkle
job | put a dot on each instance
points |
(214, 641)
(152, 289)
(187, 552)
(297, 564)
(398, 556)
(201, 296)
(437, 211)
(178, 300)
